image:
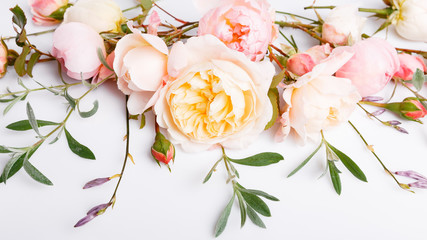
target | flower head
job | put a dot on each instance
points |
(408, 65)
(410, 18)
(243, 25)
(3, 58)
(162, 150)
(48, 12)
(302, 63)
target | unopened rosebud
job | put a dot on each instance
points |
(92, 213)
(162, 149)
(3, 58)
(410, 108)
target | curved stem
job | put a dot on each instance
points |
(32, 34)
(113, 197)
(131, 8)
(39, 89)
(298, 16)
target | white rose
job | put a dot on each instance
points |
(215, 95)
(101, 15)
(318, 100)
(410, 19)
(343, 23)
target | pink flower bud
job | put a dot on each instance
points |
(408, 65)
(302, 63)
(412, 109)
(48, 12)
(162, 149)
(3, 59)
(153, 23)
(70, 40)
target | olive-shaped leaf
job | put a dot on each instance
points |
(78, 148)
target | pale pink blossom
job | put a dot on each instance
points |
(243, 25)
(215, 95)
(3, 59)
(408, 65)
(374, 63)
(42, 10)
(140, 64)
(302, 63)
(318, 100)
(75, 45)
(153, 23)
(343, 24)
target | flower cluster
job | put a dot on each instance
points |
(219, 87)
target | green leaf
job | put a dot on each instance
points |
(59, 14)
(335, 177)
(259, 193)
(24, 125)
(273, 95)
(11, 104)
(36, 174)
(78, 148)
(33, 60)
(20, 61)
(253, 216)
(103, 60)
(306, 160)
(418, 79)
(70, 99)
(4, 149)
(242, 209)
(9, 165)
(18, 17)
(256, 203)
(222, 221)
(18, 164)
(142, 125)
(32, 119)
(146, 4)
(234, 170)
(209, 175)
(349, 164)
(258, 160)
(91, 112)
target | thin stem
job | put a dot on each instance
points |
(32, 34)
(273, 57)
(177, 19)
(131, 8)
(279, 50)
(39, 89)
(113, 197)
(319, 7)
(411, 50)
(180, 32)
(410, 89)
(376, 156)
(298, 16)
(304, 27)
(381, 105)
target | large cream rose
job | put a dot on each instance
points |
(318, 100)
(215, 95)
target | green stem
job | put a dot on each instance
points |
(319, 7)
(33, 34)
(131, 8)
(39, 89)
(381, 105)
(113, 197)
(180, 32)
(410, 89)
(298, 16)
(376, 156)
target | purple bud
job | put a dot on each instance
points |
(394, 122)
(96, 182)
(372, 99)
(85, 220)
(378, 112)
(411, 174)
(419, 184)
(400, 129)
(96, 209)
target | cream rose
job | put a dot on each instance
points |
(101, 15)
(410, 19)
(140, 64)
(318, 100)
(215, 95)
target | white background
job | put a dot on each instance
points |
(155, 204)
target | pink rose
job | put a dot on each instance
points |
(318, 101)
(410, 113)
(3, 59)
(343, 24)
(374, 63)
(243, 25)
(75, 45)
(302, 63)
(408, 65)
(153, 23)
(43, 9)
(140, 65)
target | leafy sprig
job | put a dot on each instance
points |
(250, 203)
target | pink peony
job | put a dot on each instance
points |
(3, 59)
(75, 45)
(374, 63)
(408, 65)
(140, 64)
(302, 63)
(42, 10)
(243, 25)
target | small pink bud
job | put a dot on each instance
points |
(153, 23)
(162, 150)
(412, 109)
(408, 65)
(302, 63)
